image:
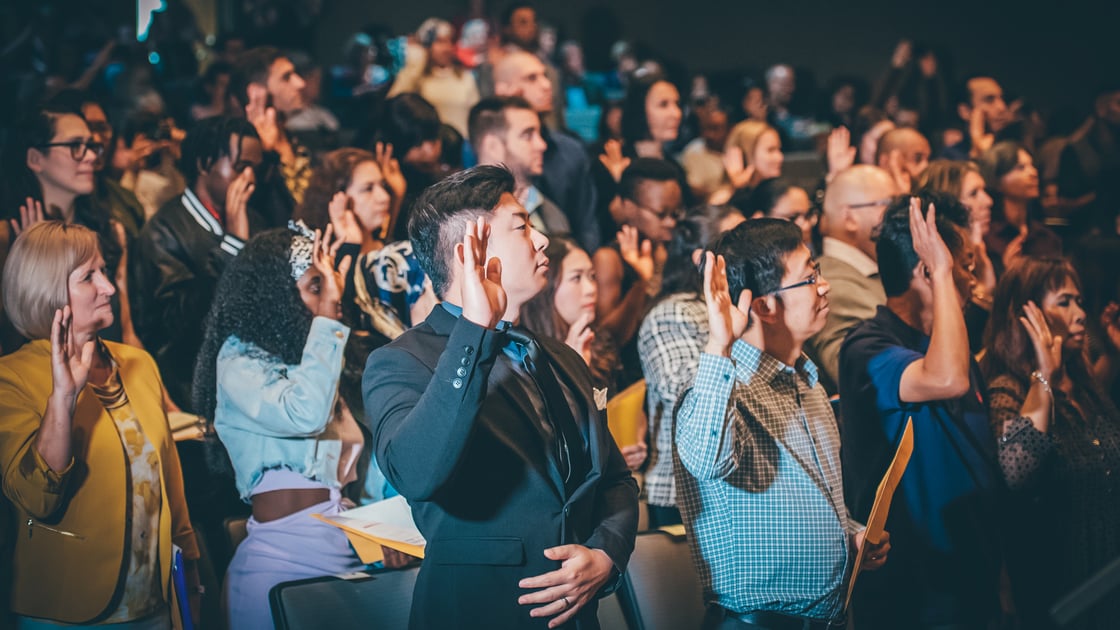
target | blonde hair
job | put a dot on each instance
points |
(945, 177)
(746, 135)
(37, 273)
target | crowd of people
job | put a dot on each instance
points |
(425, 271)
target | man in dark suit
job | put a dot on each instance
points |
(496, 439)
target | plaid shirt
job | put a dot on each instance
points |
(669, 344)
(758, 476)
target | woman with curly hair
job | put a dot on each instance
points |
(267, 376)
(359, 193)
(1059, 439)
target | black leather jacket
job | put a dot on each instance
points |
(180, 255)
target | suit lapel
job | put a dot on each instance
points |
(518, 426)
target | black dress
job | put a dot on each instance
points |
(1064, 524)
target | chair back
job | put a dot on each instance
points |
(379, 599)
(661, 590)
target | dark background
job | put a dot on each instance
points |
(1050, 52)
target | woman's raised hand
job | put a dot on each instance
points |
(1047, 347)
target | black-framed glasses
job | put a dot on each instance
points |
(78, 148)
(813, 278)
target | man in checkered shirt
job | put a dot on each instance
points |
(757, 451)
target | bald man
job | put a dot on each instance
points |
(566, 176)
(903, 152)
(854, 203)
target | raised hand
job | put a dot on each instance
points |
(928, 245)
(484, 299)
(30, 213)
(734, 164)
(726, 322)
(902, 53)
(1110, 323)
(612, 159)
(343, 220)
(263, 118)
(841, 153)
(1047, 347)
(237, 203)
(897, 169)
(640, 258)
(978, 133)
(391, 170)
(580, 336)
(323, 251)
(69, 365)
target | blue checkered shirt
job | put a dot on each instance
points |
(757, 464)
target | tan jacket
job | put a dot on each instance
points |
(70, 531)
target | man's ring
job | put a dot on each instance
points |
(567, 604)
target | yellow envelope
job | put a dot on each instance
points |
(883, 495)
(626, 415)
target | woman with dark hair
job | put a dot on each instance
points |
(670, 341)
(410, 128)
(1059, 439)
(49, 165)
(440, 79)
(565, 310)
(1016, 230)
(651, 119)
(781, 199)
(267, 376)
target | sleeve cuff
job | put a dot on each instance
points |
(231, 244)
(54, 481)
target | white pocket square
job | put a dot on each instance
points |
(600, 398)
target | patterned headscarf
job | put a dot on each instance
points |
(302, 250)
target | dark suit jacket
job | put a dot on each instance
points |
(454, 437)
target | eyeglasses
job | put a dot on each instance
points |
(675, 215)
(871, 204)
(78, 148)
(812, 279)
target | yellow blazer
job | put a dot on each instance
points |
(70, 525)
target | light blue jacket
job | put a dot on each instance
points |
(269, 415)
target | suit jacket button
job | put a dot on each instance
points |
(567, 510)
(461, 371)
(464, 361)
(469, 350)
(457, 383)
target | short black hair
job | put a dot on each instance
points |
(208, 142)
(696, 230)
(755, 253)
(963, 93)
(488, 116)
(436, 219)
(251, 66)
(506, 18)
(761, 198)
(642, 170)
(407, 122)
(894, 245)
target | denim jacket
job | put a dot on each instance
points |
(271, 416)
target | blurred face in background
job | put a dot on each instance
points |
(577, 292)
(663, 111)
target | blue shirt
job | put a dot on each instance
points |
(757, 466)
(270, 415)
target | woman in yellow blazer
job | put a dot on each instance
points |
(86, 456)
